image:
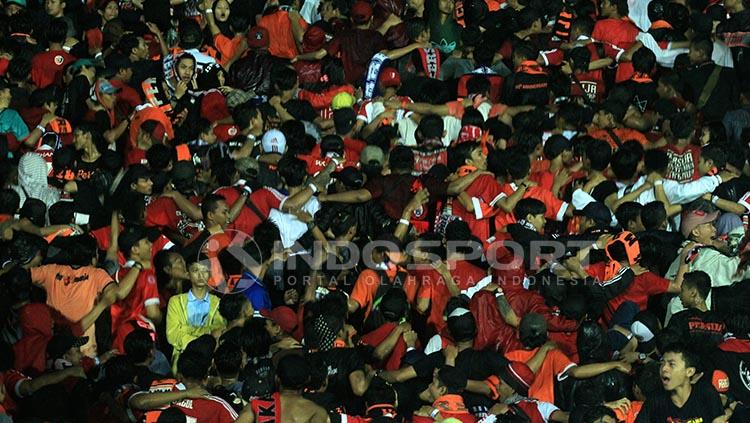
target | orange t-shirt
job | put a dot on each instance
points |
(367, 284)
(555, 364)
(227, 47)
(624, 134)
(280, 34)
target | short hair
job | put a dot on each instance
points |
(622, 7)
(193, 365)
(653, 215)
(243, 114)
(599, 154)
(644, 60)
(462, 328)
(379, 392)
(529, 206)
(414, 27)
(699, 280)
(595, 413)
(210, 204)
(224, 170)
(628, 212)
(459, 154)
(453, 378)
(292, 170)
(471, 116)
(682, 125)
(293, 371)
(61, 213)
(228, 356)
(527, 16)
(689, 356)
(647, 378)
(716, 154)
(344, 120)
(35, 210)
(703, 45)
(158, 156)
(401, 158)
(430, 127)
(172, 415)
(255, 338)
(583, 24)
(625, 163)
(190, 33)
(518, 164)
(656, 160)
(556, 145)
(283, 78)
(230, 306)
(57, 30)
(478, 84)
(525, 51)
(138, 345)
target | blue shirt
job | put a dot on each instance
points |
(197, 309)
(254, 290)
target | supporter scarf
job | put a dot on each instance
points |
(526, 224)
(469, 133)
(373, 70)
(530, 67)
(465, 170)
(430, 61)
(660, 24)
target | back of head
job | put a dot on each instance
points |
(401, 158)
(682, 125)
(599, 153)
(625, 163)
(453, 378)
(529, 206)
(653, 215)
(191, 35)
(699, 281)
(193, 365)
(644, 60)
(533, 330)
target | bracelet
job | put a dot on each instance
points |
(404, 221)
(714, 199)
(138, 266)
(41, 129)
(499, 293)
(209, 11)
(659, 182)
(313, 187)
(434, 413)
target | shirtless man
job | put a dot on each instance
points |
(293, 373)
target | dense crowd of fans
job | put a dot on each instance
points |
(355, 211)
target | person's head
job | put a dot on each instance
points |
(594, 215)
(518, 164)
(170, 265)
(110, 11)
(625, 163)
(293, 372)
(344, 120)
(700, 51)
(85, 136)
(134, 244)
(172, 415)
(583, 25)
(191, 35)
(629, 216)
(597, 155)
(614, 8)
(646, 381)
(14, 7)
(697, 224)
(401, 159)
(522, 52)
(668, 86)
(445, 7)
(57, 31)
(192, 367)
(120, 66)
(65, 346)
(221, 10)
(696, 286)
(532, 211)
(214, 210)
(682, 126)
(233, 307)
(54, 8)
(532, 331)
(736, 6)
(448, 380)
(580, 58)
(139, 346)
(515, 378)
(599, 414)
(466, 154)
(134, 47)
(713, 159)
(678, 366)
(656, 161)
(558, 146)
(185, 68)
(139, 178)
(380, 392)
(644, 60)
(429, 130)
(361, 13)
(248, 118)
(228, 357)
(462, 325)
(654, 216)
(293, 171)
(284, 79)
(610, 114)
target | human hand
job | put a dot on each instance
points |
(181, 89)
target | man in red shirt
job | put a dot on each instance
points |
(47, 67)
(616, 29)
(142, 303)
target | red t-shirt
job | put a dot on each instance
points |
(621, 33)
(683, 164)
(484, 192)
(133, 307)
(209, 409)
(555, 207)
(644, 286)
(47, 67)
(12, 380)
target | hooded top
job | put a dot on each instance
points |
(32, 180)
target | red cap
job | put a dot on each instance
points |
(389, 77)
(720, 381)
(361, 12)
(314, 39)
(258, 37)
(283, 316)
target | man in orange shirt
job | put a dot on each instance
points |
(285, 30)
(556, 365)
(608, 126)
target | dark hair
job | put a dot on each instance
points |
(656, 160)
(283, 78)
(459, 154)
(583, 24)
(518, 164)
(414, 27)
(682, 125)
(193, 365)
(527, 139)
(230, 306)
(401, 158)
(556, 145)
(596, 413)
(228, 357)
(430, 127)
(255, 338)
(716, 154)
(580, 58)
(699, 280)
(35, 210)
(628, 212)
(293, 371)
(56, 31)
(210, 204)
(529, 206)
(691, 358)
(704, 45)
(599, 154)
(379, 392)
(190, 33)
(525, 51)
(453, 378)
(647, 378)
(172, 415)
(224, 171)
(653, 215)
(158, 156)
(462, 328)
(138, 345)
(344, 120)
(292, 170)
(479, 84)
(243, 114)
(644, 60)
(625, 163)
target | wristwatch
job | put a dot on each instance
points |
(642, 357)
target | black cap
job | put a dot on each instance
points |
(130, 237)
(350, 177)
(597, 211)
(62, 342)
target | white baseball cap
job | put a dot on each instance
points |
(273, 141)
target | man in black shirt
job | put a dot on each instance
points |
(697, 324)
(681, 400)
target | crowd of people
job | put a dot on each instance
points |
(375, 211)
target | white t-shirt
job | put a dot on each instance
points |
(290, 227)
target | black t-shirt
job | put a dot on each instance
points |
(703, 405)
(339, 364)
(704, 330)
(735, 189)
